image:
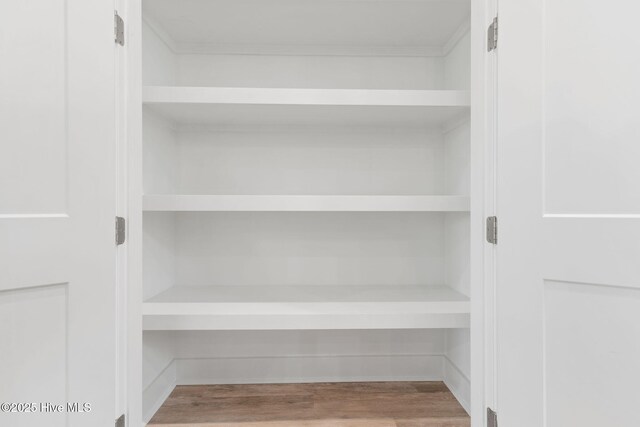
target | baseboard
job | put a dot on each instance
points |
(458, 383)
(157, 392)
(299, 369)
(320, 368)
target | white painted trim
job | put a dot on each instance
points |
(134, 210)
(122, 202)
(458, 383)
(482, 196)
(158, 391)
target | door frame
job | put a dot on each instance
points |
(483, 170)
(132, 14)
(483, 196)
(121, 210)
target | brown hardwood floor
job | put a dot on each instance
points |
(370, 404)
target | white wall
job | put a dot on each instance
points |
(310, 249)
(158, 370)
(162, 66)
(456, 65)
(158, 60)
(335, 72)
(310, 161)
(457, 255)
(294, 356)
(160, 169)
(159, 256)
(457, 138)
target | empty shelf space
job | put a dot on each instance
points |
(306, 307)
(309, 27)
(268, 203)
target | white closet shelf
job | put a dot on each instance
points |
(287, 96)
(306, 307)
(268, 203)
(213, 106)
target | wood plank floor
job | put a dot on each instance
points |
(371, 404)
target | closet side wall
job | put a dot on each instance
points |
(457, 138)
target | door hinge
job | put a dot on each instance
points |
(492, 418)
(120, 421)
(492, 229)
(492, 35)
(118, 28)
(121, 226)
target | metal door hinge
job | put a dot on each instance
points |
(121, 225)
(492, 35)
(120, 421)
(492, 418)
(492, 229)
(118, 28)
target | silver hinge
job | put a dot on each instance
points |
(492, 229)
(492, 35)
(120, 421)
(118, 28)
(492, 418)
(121, 225)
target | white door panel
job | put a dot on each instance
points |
(596, 250)
(34, 100)
(57, 202)
(591, 354)
(33, 326)
(568, 202)
(591, 63)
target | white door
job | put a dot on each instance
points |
(57, 207)
(568, 203)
